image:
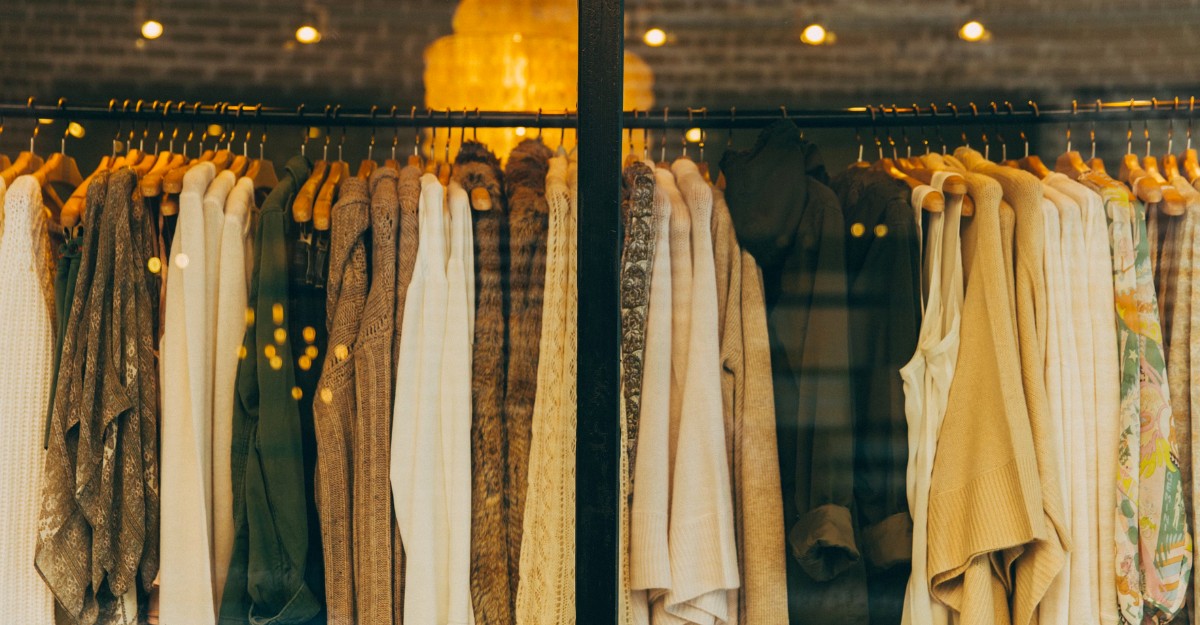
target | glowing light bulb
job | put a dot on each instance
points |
(75, 129)
(814, 34)
(694, 135)
(152, 29)
(215, 130)
(308, 34)
(655, 37)
(520, 131)
(972, 31)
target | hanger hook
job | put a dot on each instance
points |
(475, 126)
(629, 131)
(783, 109)
(449, 134)
(663, 141)
(562, 130)
(732, 121)
(703, 130)
(1191, 108)
(371, 145)
(538, 123)
(412, 117)
(683, 137)
(432, 136)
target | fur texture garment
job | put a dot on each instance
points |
(476, 167)
(525, 187)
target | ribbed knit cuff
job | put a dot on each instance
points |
(823, 543)
(889, 542)
(649, 554)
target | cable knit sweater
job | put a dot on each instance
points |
(547, 590)
(27, 330)
(477, 168)
(525, 186)
(370, 596)
(334, 408)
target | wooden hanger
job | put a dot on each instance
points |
(1173, 203)
(934, 201)
(262, 170)
(323, 205)
(26, 163)
(59, 168)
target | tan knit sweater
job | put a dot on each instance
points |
(1041, 561)
(374, 558)
(985, 494)
(334, 408)
(748, 396)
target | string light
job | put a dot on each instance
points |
(308, 34)
(814, 35)
(152, 29)
(655, 37)
(973, 31)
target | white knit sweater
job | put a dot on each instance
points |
(417, 472)
(186, 567)
(232, 295)
(27, 335)
(702, 543)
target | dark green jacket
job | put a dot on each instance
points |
(266, 582)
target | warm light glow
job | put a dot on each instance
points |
(517, 55)
(215, 130)
(45, 121)
(814, 34)
(75, 129)
(308, 34)
(972, 31)
(694, 135)
(520, 131)
(655, 37)
(152, 29)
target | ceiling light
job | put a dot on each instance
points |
(694, 135)
(814, 35)
(972, 31)
(655, 37)
(308, 34)
(152, 29)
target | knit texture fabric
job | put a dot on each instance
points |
(408, 190)
(232, 296)
(371, 595)
(101, 436)
(525, 187)
(335, 407)
(27, 330)
(547, 575)
(478, 168)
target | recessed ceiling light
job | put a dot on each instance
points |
(308, 34)
(655, 37)
(972, 31)
(814, 35)
(152, 29)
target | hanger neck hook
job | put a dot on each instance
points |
(662, 142)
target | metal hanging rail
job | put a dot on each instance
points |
(949, 114)
(257, 114)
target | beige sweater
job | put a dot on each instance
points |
(748, 394)
(985, 495)
(1042, 560)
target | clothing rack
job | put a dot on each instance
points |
(949, 114)
(600, 122)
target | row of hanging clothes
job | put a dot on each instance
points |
(925, 389)
(312, 397)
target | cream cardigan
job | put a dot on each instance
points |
(232, 294)
(26, 333)
(704, 570)
(186, 571)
